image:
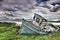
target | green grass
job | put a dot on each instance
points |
(8, 31)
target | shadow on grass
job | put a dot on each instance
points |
(32, 34)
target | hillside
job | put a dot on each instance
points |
(9, 31)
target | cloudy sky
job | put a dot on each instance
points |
(25, 1)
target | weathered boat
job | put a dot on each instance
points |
(38, 25)
(28, 28)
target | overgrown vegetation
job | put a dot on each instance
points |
(8, 31)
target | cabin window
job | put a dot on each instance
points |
(40, 22)
(37, 20)
(34, 17)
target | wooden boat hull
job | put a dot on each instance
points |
(26, 28)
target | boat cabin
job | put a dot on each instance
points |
(38, 19)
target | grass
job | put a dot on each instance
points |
(8, 31)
